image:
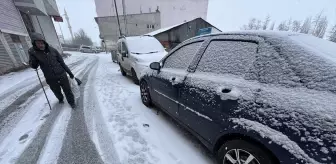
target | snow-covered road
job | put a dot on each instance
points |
(110, 125)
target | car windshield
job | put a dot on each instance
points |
(144, 45)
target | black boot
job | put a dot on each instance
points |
(73, 106)
(61, 101)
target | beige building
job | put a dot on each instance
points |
(172, 11)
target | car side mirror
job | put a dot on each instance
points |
(124, 54)
(155, 66)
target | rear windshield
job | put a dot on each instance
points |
(307, 61)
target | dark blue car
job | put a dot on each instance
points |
(251, 97)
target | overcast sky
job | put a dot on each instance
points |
(227, 15)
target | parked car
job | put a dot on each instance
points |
(251, 97)
(136, 53)
(96, 50)
(85, 49)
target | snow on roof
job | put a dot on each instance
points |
(163, 29)
(171, 27)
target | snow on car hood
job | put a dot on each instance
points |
(146, 59)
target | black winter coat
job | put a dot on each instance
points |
(50, 61)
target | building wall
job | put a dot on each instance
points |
(5, 60)
(172, 11)
(45, 26)
(137, 24)
(10, 18)
(11, 24)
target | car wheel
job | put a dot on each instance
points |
(122, 70)
(145, 95)
(134, 77)
(240, 151)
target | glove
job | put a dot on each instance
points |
(71, 76)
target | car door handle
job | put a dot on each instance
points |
(226, 90)
(173, 78)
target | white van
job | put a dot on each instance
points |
(136, 53)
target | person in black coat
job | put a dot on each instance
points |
(53, 68)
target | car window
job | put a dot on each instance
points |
(182, 57)
(234, 57)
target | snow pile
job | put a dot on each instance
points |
(277, 137)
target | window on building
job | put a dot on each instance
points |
(15, 38)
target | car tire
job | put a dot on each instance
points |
(247, 150)
(122, 70)
(145, 95)
(134, 77)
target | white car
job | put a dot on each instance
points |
(85, 49)
(136, 53)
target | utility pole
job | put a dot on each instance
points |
(69, 26)
(125, 19)
(116, 9)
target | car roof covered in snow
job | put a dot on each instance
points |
(311, 58)
(143, 44)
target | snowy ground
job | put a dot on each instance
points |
(110, 125)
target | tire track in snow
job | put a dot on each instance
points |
(77, 146)
(32, 153)
(11, 115)
(97, 126)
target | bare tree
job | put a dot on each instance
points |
(258, 25)
(316, 21)
(251, 25)
(266, 22)
(82, 38)
(332, 36)
(305, 28)
(289, 24)
(283, 26)
(320, 25)
(272, 26)
(296, 26)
